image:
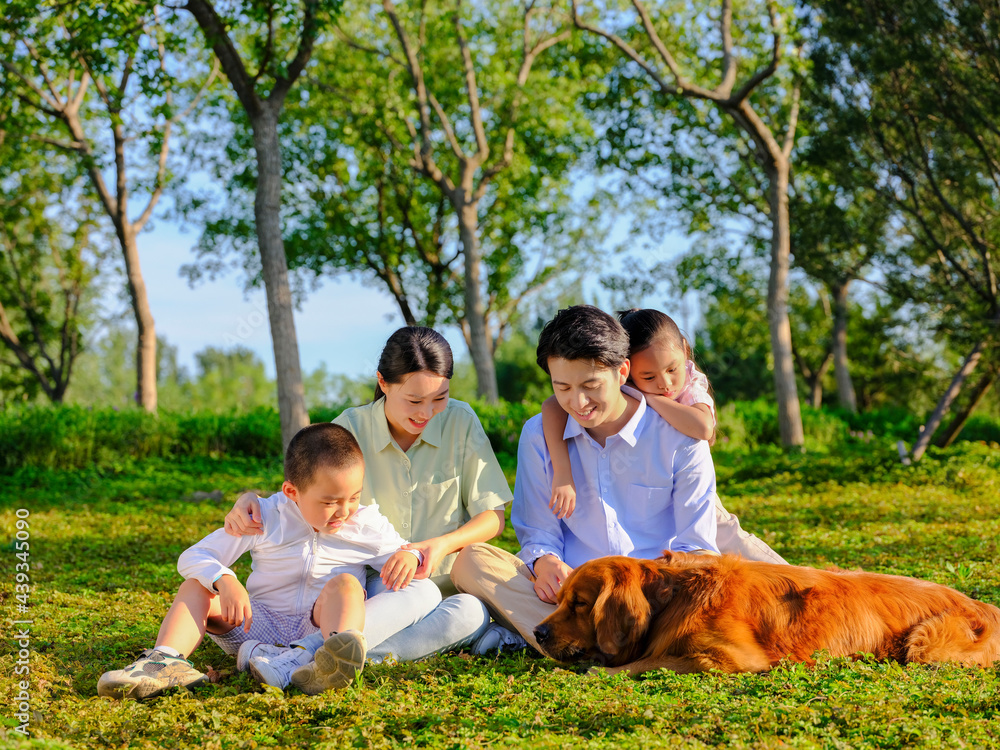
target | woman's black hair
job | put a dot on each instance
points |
(414, 349)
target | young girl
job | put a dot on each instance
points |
(661, 367)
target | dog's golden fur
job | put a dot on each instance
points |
(692, 613)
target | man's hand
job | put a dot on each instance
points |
(234, 602)
(550, 572)
(398, 570)
(244, 519)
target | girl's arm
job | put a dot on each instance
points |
(695, 421)
(563, 500)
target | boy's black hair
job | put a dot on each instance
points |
(323, 445)
(583, 332)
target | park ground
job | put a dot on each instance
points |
(104, 543)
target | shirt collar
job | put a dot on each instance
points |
(380, 426)
(627, 432)
(432, 433)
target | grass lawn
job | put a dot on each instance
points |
(102, 556)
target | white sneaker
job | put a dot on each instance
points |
(277, 669)
(250, 649)
(496, 639)
(338, 662)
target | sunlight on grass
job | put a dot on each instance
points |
(103, 569)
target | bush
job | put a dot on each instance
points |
(503, 422)
(74, 437)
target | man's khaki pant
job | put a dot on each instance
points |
(505, 585)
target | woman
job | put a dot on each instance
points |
(430, 468)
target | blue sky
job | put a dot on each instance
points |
(343, 324)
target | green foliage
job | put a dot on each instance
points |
(103, 554)
(73, 437)
(503, 422)
(910, 104)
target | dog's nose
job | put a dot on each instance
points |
(543, 633)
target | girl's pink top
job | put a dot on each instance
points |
(695, 390)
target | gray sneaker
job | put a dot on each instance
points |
(497, 638)
(148, 676)
(250, 649)
(338, 662)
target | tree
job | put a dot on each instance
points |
(277, 43)
(931, 116)
(46, 263)
(678, 65)
(98, 85)
(445, 103)
(841, 228)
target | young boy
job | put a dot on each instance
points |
(308, 573)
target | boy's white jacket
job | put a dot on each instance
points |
(291, 561)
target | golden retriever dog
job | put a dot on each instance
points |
(693, 613)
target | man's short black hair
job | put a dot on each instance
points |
(583, 332)
(318, 446)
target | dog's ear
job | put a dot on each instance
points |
(621, 615)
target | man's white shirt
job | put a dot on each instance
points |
(649, 488)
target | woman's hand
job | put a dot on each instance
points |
(244, 519)
(433, 552)
(398, 570)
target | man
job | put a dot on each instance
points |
(642, 486)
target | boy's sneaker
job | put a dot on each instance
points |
(148, 676)
(338, 662)
(496, 639)
(250, 649)
(276, 668)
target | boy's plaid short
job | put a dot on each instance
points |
(268, 627)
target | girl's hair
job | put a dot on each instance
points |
(414, 349)
(648, 327)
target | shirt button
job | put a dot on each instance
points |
(406, 492)
(604, 455)
(406, 525)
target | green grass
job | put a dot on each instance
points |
(103, 552)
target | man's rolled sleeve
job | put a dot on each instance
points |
(538, 530)
(694, 498)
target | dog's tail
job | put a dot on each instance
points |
(968, 635)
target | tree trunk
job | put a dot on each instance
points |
(841, 369)
(816, 384)
(480, 346)
(274, 263)
(145, 354)
(786, 391)
(978, 393)
(949, 395)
